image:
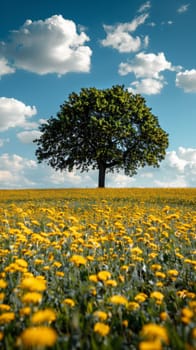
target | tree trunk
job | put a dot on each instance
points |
(101, 181)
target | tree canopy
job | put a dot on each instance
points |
(105, 129)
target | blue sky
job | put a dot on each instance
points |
(50, 48)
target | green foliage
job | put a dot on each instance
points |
(108, 130)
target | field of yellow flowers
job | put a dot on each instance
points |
(100, 269)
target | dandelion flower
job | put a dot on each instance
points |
(3, 284)
(132, 306)
(38, 336)
(42, 316)
(78, 260)
(187, 314)
(32, 298)
(93, 278)
(70, 302)
(140, 297)
(164, 316)
(101, 315)
(25, 311)
(153, 332)
(7, 317)
(21, 262)
(110, 283)
(5, 307)
(119, 300)
(33, 284)
(103, 275)
(101, 328)
(150, 345)
(158, 296)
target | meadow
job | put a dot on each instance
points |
(100, 269)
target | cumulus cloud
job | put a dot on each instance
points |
(183, 8)
(48, 46)
(187, 80)
(148, 86)
(16, 171)
(15, 113)
(177, 170)
(5, 68)
(28, 136)
(148, 67)
(119, 36)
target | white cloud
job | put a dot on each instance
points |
(28, 136)
(148, 86)
(49, 46)
(183, 8)
(187, 80)
(5, 68)
(119, 37)
(178, 181)
(16, 172)
(15, 113)
(146, 65)
(145, 6)
(149, 67)
(177, 170)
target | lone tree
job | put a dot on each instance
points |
(110, 129)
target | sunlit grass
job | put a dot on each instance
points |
(98, 269)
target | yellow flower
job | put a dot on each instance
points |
(110, 283)
(93, 278)
(2, 296)
(119, 300)
(32, 298)
(132, 305)
(25, 311)
(103, 275)
(160, 274)
(101, 315)
(187, 314)
(158, 296)
(125, 323)
(7, 317)
(4, 307)
(1, 335)
(60, 274)
(3, 284)
(140, 297)
(42, 316)
(33, 284)
(70, 302)
(156, 267)
(21, 262)
(164, 316)
(136, 251)
(78, 260)
(153, 332)
(172, 273)
(124, 268)
(38, 336)
(101, 328)
(150, 345)
(57, 264)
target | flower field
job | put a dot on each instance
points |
(100, 269)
